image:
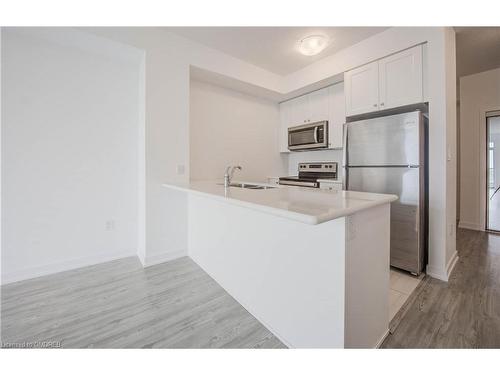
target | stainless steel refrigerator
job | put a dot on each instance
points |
(388, 155)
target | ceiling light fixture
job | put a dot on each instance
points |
(313, 44)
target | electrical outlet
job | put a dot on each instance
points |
(180, 169)
(110, 225)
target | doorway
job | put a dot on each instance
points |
(493, 171)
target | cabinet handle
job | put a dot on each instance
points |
(374, 105)
(382, 104)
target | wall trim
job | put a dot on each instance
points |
(451, 264)
(443, 275)
(469, 225)
(49, 269)
(151, 260)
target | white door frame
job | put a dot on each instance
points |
(483, 114)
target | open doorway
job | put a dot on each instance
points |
(493, 171)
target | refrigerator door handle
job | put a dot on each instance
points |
(344, 158)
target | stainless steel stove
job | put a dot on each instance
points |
(310, 173)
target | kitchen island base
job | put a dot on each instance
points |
(313, 286)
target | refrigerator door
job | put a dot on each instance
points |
(407, 249)
(391, 140)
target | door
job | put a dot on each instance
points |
(361, 89)
(401, 79)
(493, 172)
(391, 140)
(406, 233)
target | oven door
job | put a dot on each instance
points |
(307, 137)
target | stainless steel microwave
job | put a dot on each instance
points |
(308, 137)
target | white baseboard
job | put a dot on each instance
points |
(440, 274)
(436, 273)
(151, 260)
(48, 269)
(469, 225)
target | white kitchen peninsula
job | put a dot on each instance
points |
(311, 265)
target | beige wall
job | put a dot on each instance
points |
(230, 128)
(478, 93)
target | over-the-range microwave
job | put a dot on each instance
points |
(308, 137)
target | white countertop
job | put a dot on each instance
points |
(307, 205)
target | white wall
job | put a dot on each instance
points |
(168, 61)
(231, 128)
(70, 151)
(478, 93)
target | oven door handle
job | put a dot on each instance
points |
(298, 183)
(316, 128)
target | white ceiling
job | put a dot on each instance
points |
(274, 48)
(478, 49)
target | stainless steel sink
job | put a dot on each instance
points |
(249, 186)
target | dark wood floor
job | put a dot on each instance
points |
(463, 313)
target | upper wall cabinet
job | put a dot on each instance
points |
(361, 89)
(309, 108)
(391, 82)
(337, 116)
(326, 104)
(400, 79)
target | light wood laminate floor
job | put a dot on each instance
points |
(177, 305)
(463, 313)
(121, 305)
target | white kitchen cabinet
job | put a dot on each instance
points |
(391, 82)
(283, 128)
(326, 104)
(318, 105)
(337, 115)
(361, 89)
(309, 108)
(400, 79)
(333, 185)
(299, 111)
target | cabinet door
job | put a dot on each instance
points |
(319, 105)
(299, 111)
(337, 116)
(401, 80)
(330, 185)
(283, 128)
(361, 89)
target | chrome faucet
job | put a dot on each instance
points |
(228, 176)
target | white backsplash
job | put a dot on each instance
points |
(294, 158)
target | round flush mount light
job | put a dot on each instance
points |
(312, 45)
